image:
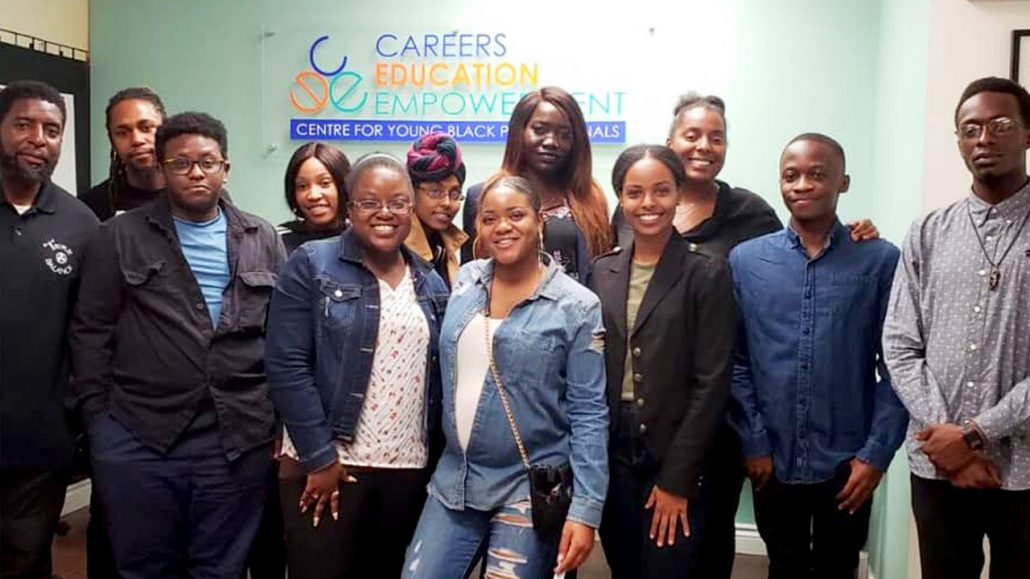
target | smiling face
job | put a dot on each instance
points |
(509, 226)
(316, 194)
(437, 214)
(381, 231)
(30, 137)
(700, 141)
(648, 197)
(811, 180)
(194, 195)
(547, 140)
(132, 127)
(991, 157)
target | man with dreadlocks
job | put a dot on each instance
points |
(133, 116)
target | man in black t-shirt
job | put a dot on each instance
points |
(42, 231)
(133, 116)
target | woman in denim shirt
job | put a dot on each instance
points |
(548, 344)
(351, 361)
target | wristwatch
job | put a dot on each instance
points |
(972, 436)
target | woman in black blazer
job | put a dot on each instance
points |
(670, 320)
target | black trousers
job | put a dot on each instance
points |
(30, 508)
(267, 556)
(720, 494)
(805, 534)
(625, 524)
(378, 515)
(953, 522)
(99, 555)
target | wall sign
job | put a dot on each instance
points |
(465, 84)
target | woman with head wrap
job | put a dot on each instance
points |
(437, 174)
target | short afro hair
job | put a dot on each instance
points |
(997, 84)
(191, 123)
(31, 89)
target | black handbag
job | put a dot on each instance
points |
(550, 486)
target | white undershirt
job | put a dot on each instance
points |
(470, 374)
(21, 209)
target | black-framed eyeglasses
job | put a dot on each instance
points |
(182, 165)
(998, 127)
(438, 193)
(373, 206)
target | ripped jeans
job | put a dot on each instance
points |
(449, 544)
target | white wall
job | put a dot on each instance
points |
(62, 21)
(968, 40)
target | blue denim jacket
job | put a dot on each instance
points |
(323, 323)
(550, 355)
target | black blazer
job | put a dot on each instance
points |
(682, 349)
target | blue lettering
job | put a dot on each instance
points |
(448, 44)
(482, 46)
(311, 59)
(411, 45)
(465, 45)
(379, 45)
(501, 49)
(431, 41)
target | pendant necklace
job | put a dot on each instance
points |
(995, 277)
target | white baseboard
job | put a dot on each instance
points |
(76, 497)
(748, 540)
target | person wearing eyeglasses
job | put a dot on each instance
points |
(354, 375)
(167, 341)
(957, 344)
(437, 173)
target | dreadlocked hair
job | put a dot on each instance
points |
(116, 173)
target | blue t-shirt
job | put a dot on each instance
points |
(204, 246)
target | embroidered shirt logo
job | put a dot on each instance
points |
(59, 257)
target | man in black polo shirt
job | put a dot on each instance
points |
(42, 231)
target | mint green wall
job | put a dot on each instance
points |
(904, 46)
(784, 67)
(854, 70)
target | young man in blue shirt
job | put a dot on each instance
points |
(168, 348)
(811, 399)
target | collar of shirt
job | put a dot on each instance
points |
(45, 201)
(837, 232)
(484, 273)
(1012, 209)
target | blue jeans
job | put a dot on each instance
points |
(449, 543)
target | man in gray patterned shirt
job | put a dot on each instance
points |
(957, 344)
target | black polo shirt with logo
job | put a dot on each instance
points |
(39, 271)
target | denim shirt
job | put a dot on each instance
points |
(805, 388)
(323, 324)
(550, 355)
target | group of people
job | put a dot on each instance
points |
(369, 390)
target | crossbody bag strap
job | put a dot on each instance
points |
(503, 394)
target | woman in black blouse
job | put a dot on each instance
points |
(316, 193)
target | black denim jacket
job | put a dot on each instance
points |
(142, 342)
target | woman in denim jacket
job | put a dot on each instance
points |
(352, 366)
(547, 343)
